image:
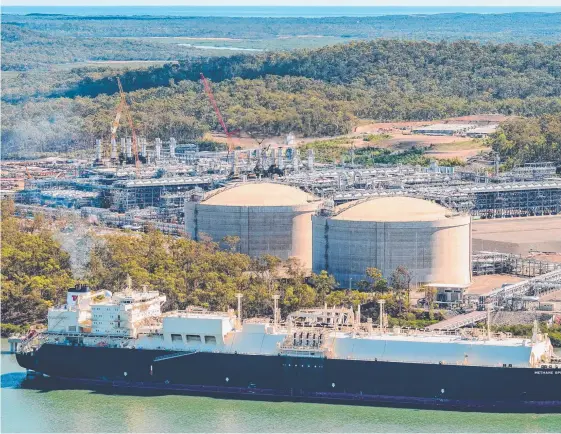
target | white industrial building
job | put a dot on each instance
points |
(432, 242)
(443, 129)
(483, 131)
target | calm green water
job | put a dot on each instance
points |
(25, 410)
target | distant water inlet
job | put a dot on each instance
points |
(213, 47)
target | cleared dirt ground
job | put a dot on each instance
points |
(399, 138)
(482, 285)
(550, 257)
(518, 235)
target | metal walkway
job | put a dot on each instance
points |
(538, 285)
(459, 321)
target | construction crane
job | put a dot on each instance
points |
(120, 108)
(208, 91)
(29, 176)
(123, 106)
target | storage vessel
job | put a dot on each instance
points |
(325, 354)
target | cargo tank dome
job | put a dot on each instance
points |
(259, 194)
(268, 218)
(393, 209)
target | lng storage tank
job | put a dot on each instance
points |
(267, 218)
(431, 241)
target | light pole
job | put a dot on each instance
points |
(381, 303)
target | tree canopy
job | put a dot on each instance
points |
(312, 93)
(36, 274)
(35, 270)
(520, 141)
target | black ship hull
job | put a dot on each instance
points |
(303, 378)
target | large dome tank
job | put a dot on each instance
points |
(431, 241)
(268, 218)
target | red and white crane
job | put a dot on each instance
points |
(229, 134)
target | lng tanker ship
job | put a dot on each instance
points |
(326, 354)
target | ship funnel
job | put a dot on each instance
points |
(73, 294)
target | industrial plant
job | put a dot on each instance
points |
(435, 221)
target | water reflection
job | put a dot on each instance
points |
(12, 380)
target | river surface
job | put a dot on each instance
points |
(29, 410)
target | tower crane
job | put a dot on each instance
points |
(208, 91)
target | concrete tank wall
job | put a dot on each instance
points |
(283, 231)
(451, 247)
(433, 251)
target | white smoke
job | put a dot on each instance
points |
(77, 240)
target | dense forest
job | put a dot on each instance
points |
(319, 92)
(181, 111)
(508, 27)
(530, 140)
(36, 273)
(464, 70)
(40, 41)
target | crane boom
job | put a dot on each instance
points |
(115, 123)
(118, 113)
(124, 106)
(29, 176)
(208, 91)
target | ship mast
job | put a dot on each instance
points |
(489, 322)
(381, 303)
(239, 296)
(276, 312)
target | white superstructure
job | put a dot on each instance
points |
(104, 313)
(124, 313)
